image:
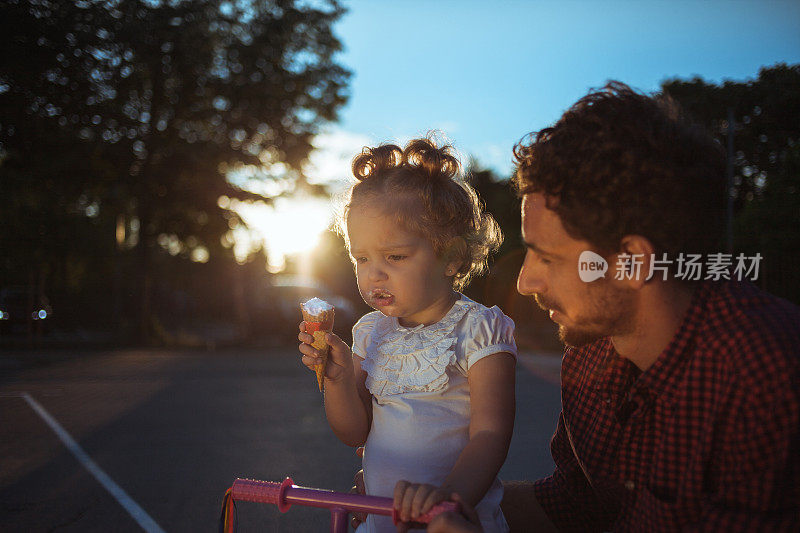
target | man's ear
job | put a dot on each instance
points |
(631, 265)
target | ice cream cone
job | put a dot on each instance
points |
(318, 316)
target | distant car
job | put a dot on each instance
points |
(20, 306)
(280, 305)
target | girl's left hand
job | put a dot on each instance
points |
(414, 499)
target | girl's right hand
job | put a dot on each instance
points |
(340, 358)
(465, 522)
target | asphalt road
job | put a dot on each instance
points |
(173, 429)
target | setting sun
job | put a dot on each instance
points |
(290, 226)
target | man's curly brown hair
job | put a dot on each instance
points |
(620, 163)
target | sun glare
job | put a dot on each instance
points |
(288, 227)
(291, 225)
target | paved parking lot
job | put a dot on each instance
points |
(170, 430)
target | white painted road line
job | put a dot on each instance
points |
(138, 514)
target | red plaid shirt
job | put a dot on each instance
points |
(705, 440)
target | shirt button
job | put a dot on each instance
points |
(630, 485)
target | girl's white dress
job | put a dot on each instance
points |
(420, 399)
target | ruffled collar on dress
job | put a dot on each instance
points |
(415, 359)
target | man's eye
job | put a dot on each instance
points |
(397, 257)
(542, 259)
(361, 259)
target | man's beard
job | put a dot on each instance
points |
(609, 311)
(575, 337)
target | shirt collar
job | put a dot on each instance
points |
(455, 312)
(617, 372)
(665, 374)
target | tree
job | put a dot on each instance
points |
(766, 111)
(766, 171)
(155, 104)
(768, 225)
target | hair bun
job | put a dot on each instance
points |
(437, 163)
(378, 159)
(420, 154)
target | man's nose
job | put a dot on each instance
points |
(530, 280)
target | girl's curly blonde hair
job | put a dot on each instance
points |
(421, 187)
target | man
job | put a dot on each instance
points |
(679, 387)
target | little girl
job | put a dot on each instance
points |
(429, 384)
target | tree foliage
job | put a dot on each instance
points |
(136, 113)
(766, 165)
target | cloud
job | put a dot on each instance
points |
(329, 163)
(499, 157)
(334, 150)
(496, 157)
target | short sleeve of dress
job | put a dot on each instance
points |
(488, 332)
(362, 333)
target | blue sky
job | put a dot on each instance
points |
(486, 73)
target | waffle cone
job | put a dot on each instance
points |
(318, 325)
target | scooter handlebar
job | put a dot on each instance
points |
(286, 493)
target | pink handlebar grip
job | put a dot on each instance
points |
(250, 490)
(287, 493)
(439, 508)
